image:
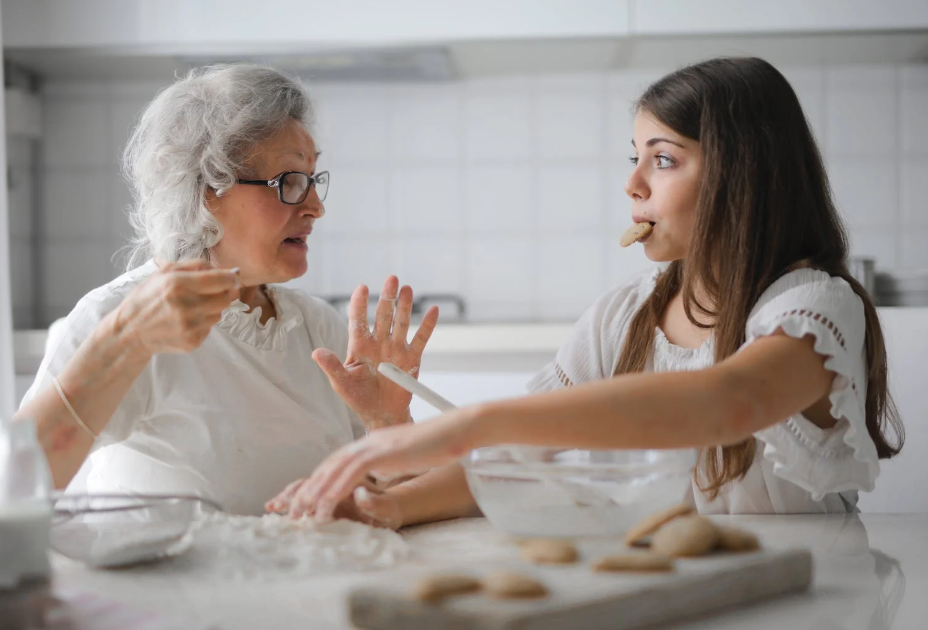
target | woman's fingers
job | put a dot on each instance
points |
(402, 316)
(329, 362)
(422, 336)
(281, 502)
(341, 485)
(205, 281)
(383, 319)
(357, 313)
(305, 498)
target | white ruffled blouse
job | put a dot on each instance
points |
(235, 420)
(798, 466)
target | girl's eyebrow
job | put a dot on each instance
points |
(653, 141)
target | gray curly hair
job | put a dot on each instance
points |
(195, 135)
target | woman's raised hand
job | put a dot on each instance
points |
(372, 396)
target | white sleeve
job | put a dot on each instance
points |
(592, 349)
(808, 302)
(63, 344)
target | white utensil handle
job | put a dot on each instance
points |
(413, 386)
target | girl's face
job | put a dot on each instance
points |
(663, 186)
(262, 236)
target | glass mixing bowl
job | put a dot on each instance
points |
(114, 530)
(539, 491)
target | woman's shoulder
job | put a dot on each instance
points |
(97, 303)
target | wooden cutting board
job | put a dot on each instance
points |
(581, 598)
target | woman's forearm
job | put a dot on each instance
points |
(437, 495)
(95, 380)
(667, 410)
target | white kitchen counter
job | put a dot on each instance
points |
(492, 347)
(870, 571)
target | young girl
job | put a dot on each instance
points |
(752, 343)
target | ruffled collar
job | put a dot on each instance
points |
(664, 347)
(247, 327)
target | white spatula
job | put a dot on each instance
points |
(579, 494)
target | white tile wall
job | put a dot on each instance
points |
(914, 183)
(77, 132)
(499, 198)
(865, 191)
(508, 190)
(358, 201)
(500, 276)
(426, 200)
(350, 261)
(20, 184)
(425, 123)
(77, 202)
(570, 124)
(914, 252)
(570, 197)
(498, 126)
(429, 264)
(570, 274)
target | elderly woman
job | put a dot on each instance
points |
(191, 372)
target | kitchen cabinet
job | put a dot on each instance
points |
(215, 27)
(732, 17)
(174, 27)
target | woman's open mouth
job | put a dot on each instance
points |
(296, 242)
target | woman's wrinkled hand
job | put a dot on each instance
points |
(378, 401)
(176, 307)
(406, 448)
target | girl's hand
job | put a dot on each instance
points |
(406, 448)
(378, 401)
(176, 307)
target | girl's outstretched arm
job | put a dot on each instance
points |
(770, 380)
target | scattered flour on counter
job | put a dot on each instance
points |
(245, 547)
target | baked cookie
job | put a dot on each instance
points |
(686, 536)
(652, 523)
(437, 587)
(510, 585)
(549, 551)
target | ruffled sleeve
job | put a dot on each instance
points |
(592, 350)
(843, 458)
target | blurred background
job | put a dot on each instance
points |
(477, 149)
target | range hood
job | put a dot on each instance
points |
(468, 60)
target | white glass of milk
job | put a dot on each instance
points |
(25, 508)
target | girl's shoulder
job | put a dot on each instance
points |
(810, 297)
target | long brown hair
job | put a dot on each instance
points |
(764, 207)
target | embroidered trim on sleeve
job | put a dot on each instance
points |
(562, 376)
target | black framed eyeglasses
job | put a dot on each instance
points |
(293, 186)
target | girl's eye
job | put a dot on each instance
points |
(633, 160)
(663, 161)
